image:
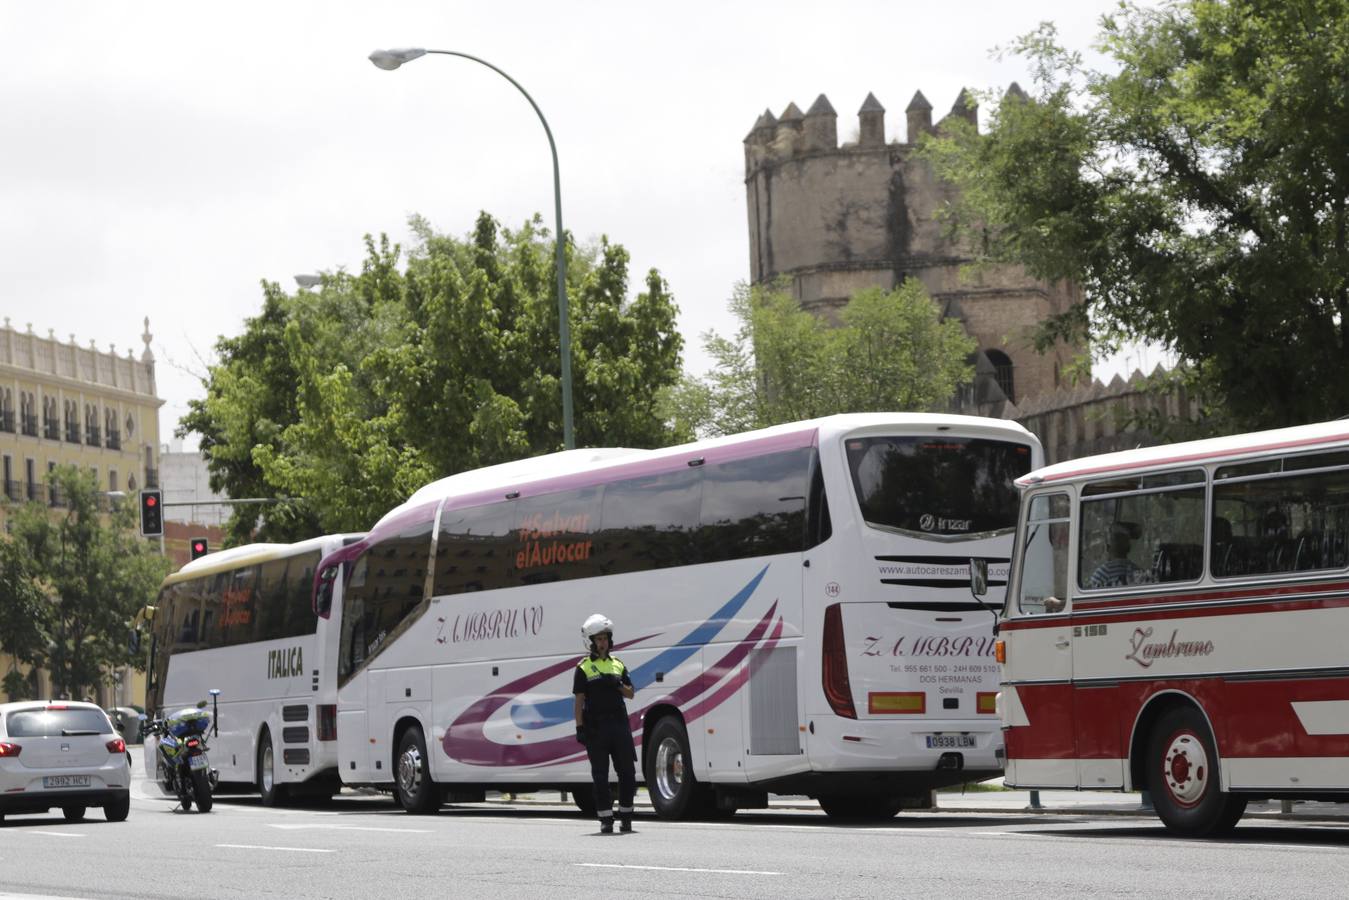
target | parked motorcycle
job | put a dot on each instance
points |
(182, 767)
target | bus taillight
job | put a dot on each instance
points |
(327, 722)
(1000, 651)
(837, 688)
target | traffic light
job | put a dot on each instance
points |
(152, 514)
(199, 548)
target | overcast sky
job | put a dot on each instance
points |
(160, 159)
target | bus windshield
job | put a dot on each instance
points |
(947, 486)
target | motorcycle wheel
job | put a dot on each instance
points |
(201, 786)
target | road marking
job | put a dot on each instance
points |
(264, 847)
(674, 869)
(352, 828)
(58, 833)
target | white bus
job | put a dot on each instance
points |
(1177, 623)
(242, 621)
(793, 605)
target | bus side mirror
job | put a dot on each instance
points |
(323, 593)
(978, 577)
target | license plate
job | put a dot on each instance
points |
(65, 781)
(197, 762)
(949, 741)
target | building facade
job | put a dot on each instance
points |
(63, 404)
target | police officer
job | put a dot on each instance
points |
(599, 687)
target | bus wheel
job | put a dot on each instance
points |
(669, 770)
(273, 794)
(584, 798)
(416, 791)
(860, 809)
(1183, 777)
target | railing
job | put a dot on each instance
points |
(92, 436)
(14, 490)
(7, 421)
(114, 440)
(51, 429)
(37, 492)
(29, 425)
(54, 497)
(73, 433)
(151, 478)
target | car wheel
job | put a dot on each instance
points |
(272, 794)
(1183, 777)
(669, 770)
(416, 791)
(117, 810)
(73, 813)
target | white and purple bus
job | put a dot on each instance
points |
(793, 604)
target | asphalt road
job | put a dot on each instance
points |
(360, 846)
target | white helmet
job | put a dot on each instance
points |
(596, 625)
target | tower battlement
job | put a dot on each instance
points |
(796, 135)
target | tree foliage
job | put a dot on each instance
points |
(353, 396)
(889, 351)
(70, 586)
(1197, 191)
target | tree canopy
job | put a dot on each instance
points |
(1197, 191)
(888, 351)
(70, 586)
(353, 396)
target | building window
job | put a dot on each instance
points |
(1002, 373)
(72, 420)
(10, 486)
(6, 410)
(51, 422)
(28, 413)
(91, 431)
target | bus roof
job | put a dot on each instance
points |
(1298, 437)
(555, 471)
(251, 554)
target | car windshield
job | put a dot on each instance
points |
(56, 722)
(937, 485)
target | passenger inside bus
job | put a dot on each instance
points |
(1118, 570)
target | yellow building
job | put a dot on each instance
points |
(61, 403)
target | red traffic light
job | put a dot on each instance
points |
(199, 547)
(151, 500)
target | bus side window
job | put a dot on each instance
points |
(1044, 559)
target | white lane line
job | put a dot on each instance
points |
(264, 847)
(674, 869)
(352, 828)
(57, 834)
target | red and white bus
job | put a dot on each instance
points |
(792, 603)
(1176, 622)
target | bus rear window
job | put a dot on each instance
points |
(937, 485)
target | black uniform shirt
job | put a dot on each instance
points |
(601, 689)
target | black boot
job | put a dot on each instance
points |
(607, 825)
(625, 824)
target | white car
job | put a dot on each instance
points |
(62, 754)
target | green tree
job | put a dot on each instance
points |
(889, 351)
(1197, 191)
(77, 581)
(410, 371)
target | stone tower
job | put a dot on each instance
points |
(836, 219)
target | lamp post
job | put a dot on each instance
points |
(392, 59)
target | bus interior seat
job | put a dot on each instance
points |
(1178, 562)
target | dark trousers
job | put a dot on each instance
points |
(609, 738)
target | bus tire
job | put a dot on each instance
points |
(416, 791)
(272, 793)
(860, 809)
(669, 771)
(584, 798)
(1183, 777)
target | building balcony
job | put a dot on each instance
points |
(37, 492)
(54, 496)
(92, 437)
(73, 434)
(14, 490)
(7, 421)
(51, 429)
(114, 440)
(29, 425)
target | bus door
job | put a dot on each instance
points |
(1037, 679)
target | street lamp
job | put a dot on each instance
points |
(392, 59)
(309, 282)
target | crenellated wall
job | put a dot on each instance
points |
(836, 218)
